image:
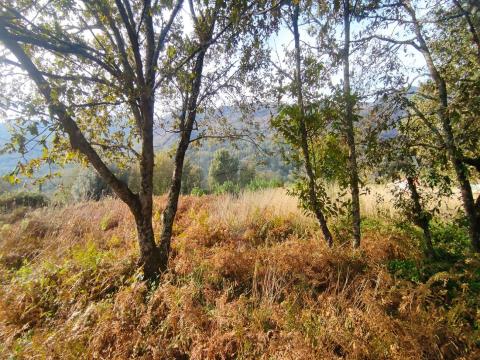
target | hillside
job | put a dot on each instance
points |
(250, 278)
(266, 156)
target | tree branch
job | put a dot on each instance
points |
(78, 141)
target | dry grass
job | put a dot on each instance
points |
(250, 278)
(378, 200)
(375, 201)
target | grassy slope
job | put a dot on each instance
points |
(250, 278)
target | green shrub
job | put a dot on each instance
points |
(405, 269)
(260, 184)
(197, 191)
(228, 187)
(450, 239)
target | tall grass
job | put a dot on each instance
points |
(249, 278)
(375, 201)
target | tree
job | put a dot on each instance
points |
(444, 108)
(348, 120)
(296, 123)
(397, 153)
(219, 31)
(98, 67)
(224, 167)
(246, 173)
(107, 64)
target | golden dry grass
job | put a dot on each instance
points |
(378, 200)
(250, 278)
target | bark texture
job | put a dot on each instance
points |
(420, 217)
(187, 122)
(304, 138)
(349, 129)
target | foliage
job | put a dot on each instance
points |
(12, 200)
(260, 183)
(451, 238)
(406, 269)
(196, 191)
(328, 154)
(88, 185)
(227, 187)
(223, 168)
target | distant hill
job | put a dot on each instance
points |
(267, 159)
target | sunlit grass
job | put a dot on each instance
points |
(250, 277)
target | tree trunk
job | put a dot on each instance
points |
(454, 153)
(304, 140)
(349, 130)
(150, 257)
(140, 205)
(420, 217)
(471, 26)
(187, 121)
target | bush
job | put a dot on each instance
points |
(10, 201)
(197, 191)
(405, 269)
(261, 183)
(228, 187)
(451, 239)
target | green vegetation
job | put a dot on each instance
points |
(218, 299)
(244, 179)
(223, 168)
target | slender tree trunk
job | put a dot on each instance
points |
(175, 187)
(304, 140)
(454, 153)
(421, 218)
(349, 130)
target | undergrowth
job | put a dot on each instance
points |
(250, 278)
